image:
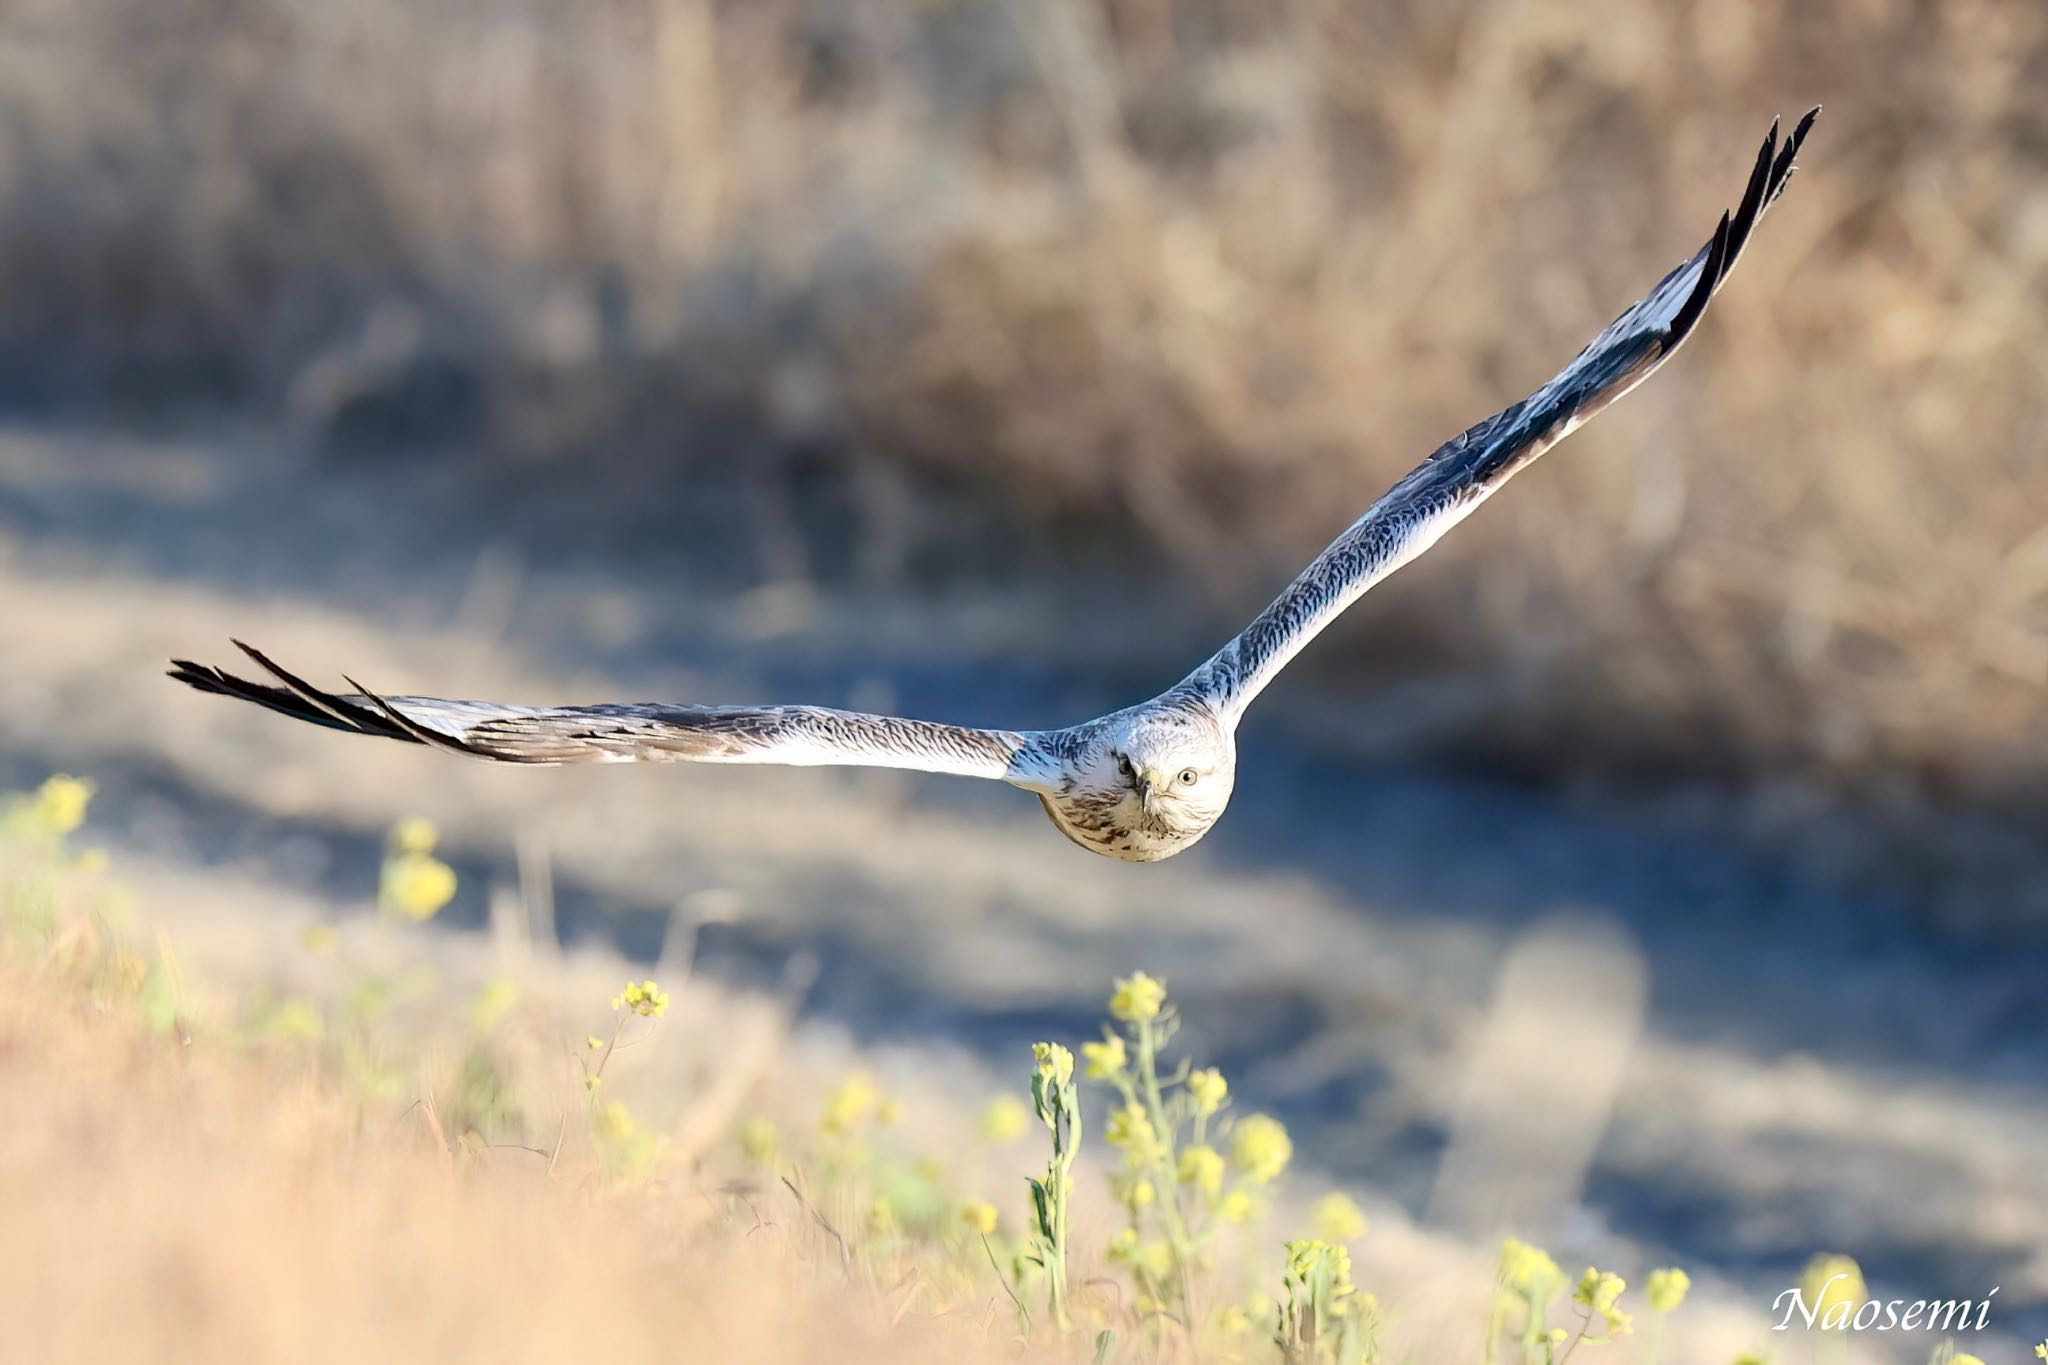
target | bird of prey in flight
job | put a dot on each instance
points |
(1139, 784)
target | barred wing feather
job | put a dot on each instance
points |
(635, 732)
(1466, 470)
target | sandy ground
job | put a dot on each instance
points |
(1634, 1042)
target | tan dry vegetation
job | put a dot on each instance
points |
(269, 1129)
(200, 1204)
(1189, 279)
(235, 1194)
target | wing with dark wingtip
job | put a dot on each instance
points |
(1465, 471)
(638, 732)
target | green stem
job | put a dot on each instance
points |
(1167, 1177)
(1060, 1179)
(597, 1074)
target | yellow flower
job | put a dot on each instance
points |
(1055, 1063)
(1338, 1218)
(1600, 1290)
(889, 1112)
(1208, 1090)
(297, 1020)
(1233, 1320)
(1134, 1192)
(759, 1141)
(1105, 1058)
(321, 938)
(1528, 1269)
(1123, 1247)
(1666, 1289)
(1260, 1148)
(1154, 1259)
(643, 998)
(1752, 1358)
(1306, 1254)
(1313, 1258)
(980, 1217)
(615, 1122)
(2042, 1350)
(1131, 1127)
(882, 1217)
(1202, 1168)
(414, 836)
(1138, 997)
(1965, 1358)
(130, 973)
(494, 1003)
(854, 1100)
(1833, 1283)
(417, 885)
(92, 862)
(61, 802)
(1005, 1119)
(1237, 1207)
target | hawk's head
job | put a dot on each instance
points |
(1154, 781)
(1179, 771)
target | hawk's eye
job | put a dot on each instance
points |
(1123, 764)
(1188, 776)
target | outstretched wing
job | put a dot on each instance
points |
(637, 732)
(1466, 470)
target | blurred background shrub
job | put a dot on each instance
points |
(1164, 288)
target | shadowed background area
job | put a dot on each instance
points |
(992, 361)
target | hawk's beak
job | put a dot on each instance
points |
(1145, 782)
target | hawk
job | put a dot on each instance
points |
(1139, 784)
